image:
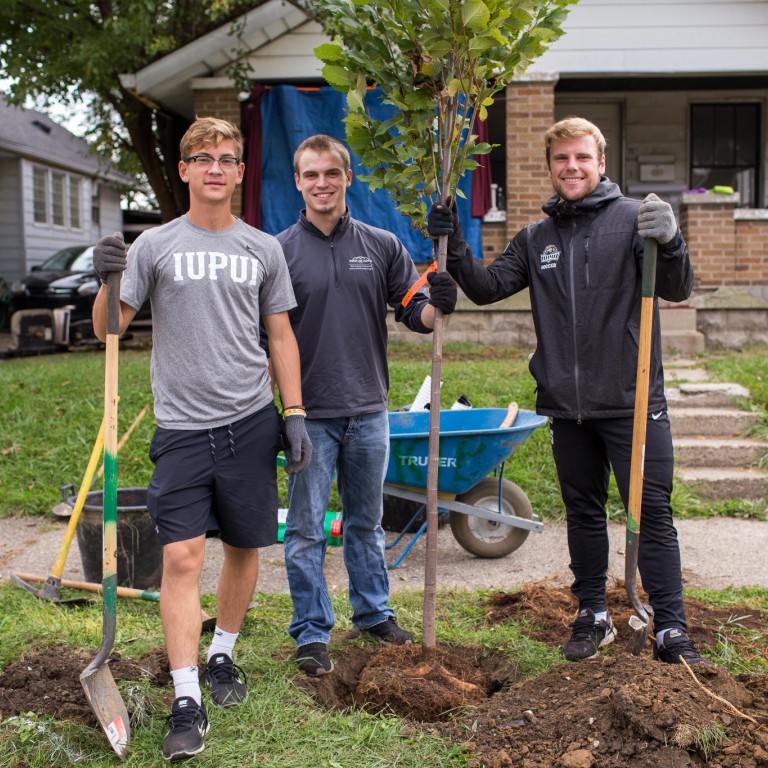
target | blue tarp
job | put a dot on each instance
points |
(289, 115)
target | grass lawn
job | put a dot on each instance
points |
(53, 407)
(52, 411)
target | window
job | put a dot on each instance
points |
(40, 194)
(57, 190)
(725, 148)
(56, 198)
(74, 203)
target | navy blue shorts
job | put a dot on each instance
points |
(217, 480)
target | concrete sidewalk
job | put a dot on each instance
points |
(716, 552)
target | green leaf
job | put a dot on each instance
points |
(336, 76)
(475, 15)
(329, 52)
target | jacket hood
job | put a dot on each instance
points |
(605, 191)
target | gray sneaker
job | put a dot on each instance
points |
(589, 636)
(388, 633)
(313, 659)
(227, 681)
(677, 645)
(187, 724)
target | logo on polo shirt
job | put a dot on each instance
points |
(361, 262)
(550, 257)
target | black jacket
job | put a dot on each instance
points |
(583, 265)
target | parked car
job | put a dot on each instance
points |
(65, 279)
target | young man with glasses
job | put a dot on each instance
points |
(210, 278)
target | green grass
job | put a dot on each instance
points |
(52, 408)
(279, 725)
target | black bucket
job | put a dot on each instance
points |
(139, 552)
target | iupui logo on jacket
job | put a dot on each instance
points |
(360, 262)
(550, 257)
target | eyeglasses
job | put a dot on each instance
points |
(226, 163)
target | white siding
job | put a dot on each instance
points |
(43, 240)
(111, 217)
(684, 36)
(290, 56)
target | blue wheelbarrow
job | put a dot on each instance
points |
(489, 516)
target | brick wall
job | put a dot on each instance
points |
(494, 236)
(223, 103)
(726, 247)
(752, 252)
(530, 112)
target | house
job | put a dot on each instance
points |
(54, 191)
(680, 89)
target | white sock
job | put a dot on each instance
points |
(186, 682)
(601, 616)
(223, 642)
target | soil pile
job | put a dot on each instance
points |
(616, 711)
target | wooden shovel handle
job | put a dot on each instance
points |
(509, 419)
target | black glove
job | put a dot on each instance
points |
(299, 444)
(442, 292)
(110, 255)
(442, 220)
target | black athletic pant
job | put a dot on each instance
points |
(584, 455)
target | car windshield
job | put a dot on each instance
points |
(78, 258)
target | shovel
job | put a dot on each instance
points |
(51, 590)
(98, 683)
(641, 622)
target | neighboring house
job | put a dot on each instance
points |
(680, 89)
(54, 191)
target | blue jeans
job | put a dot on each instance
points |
(356, 448)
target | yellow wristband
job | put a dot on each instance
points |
(294, 412)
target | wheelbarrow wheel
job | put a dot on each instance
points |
(485, 538)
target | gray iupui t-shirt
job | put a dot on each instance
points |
(208, 290)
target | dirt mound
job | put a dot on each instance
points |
(48, 683)
(616, 711)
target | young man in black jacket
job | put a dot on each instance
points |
(583, 266)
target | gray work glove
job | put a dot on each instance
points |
(299, 444)
(110, 255)
(442, 292)
(656, 220)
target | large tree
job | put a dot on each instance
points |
(72, 52)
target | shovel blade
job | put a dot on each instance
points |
(641, 628)
(105, 700)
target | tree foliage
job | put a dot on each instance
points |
(72, 52)
(439, 63)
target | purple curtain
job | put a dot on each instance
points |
(481, 176)
(250, 120)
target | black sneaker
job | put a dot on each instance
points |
(388, 633)
(677, 645)
(187, 724)
(313, 659)
(227, 681)
(588, 636)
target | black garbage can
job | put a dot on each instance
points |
(139, 552)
